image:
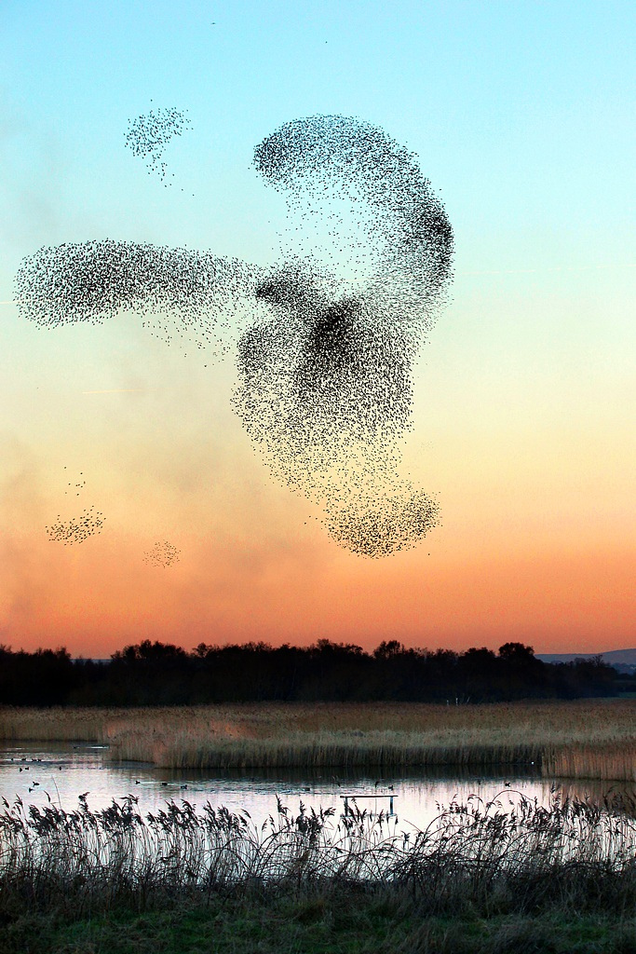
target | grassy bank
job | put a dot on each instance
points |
(581, 739)
(490, 878)
(315, 925)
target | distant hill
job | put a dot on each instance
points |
(623, 660)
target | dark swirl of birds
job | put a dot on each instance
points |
(324, 341)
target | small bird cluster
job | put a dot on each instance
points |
(148, 135)
(76, 529)
(325, 340)
(162, 554)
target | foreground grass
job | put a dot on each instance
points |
(314, 925)
(487, 878)
(581, 739)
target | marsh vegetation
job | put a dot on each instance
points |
(500, 869)
(507, 874)
(580, 739)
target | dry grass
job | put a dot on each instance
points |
(609, 760)
(57, 724)
(582, 739)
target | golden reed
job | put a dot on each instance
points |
(580, 739)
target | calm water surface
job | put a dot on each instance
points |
(39, 772)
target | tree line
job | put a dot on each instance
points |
(154, 673)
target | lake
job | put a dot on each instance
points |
(41, 772)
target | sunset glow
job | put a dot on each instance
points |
(522, 426)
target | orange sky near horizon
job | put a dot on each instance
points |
(555, 599)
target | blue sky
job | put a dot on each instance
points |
(522, 113)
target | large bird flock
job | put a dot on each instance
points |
(182, 294)
(76, 529)
(324, 341)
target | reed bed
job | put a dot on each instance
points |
(58, 724)
(582, 739)
(508, 854)
(611, 761)
(344, 751)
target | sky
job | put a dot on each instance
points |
(523, 117)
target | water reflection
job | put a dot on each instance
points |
(60, 773)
